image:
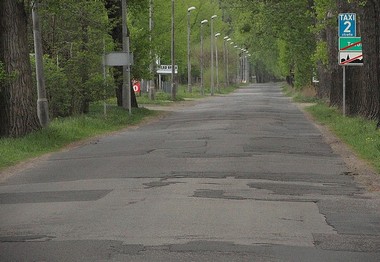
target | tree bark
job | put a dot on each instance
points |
(18, 110)
(334, 69)
(370, 31)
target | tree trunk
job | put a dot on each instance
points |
(334, 69)
(18, 110)
(324, 86)
(370, 31)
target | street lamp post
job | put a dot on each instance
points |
(126, 91)
(237, 64)
(188, 50)
(173, 87)
(216, 61)
(246, 66)
(242, 65)
(42, 102)
(202, 60)
(151, 66)
(212, 54)
(225, 59)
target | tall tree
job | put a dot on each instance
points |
(370, 29)
(18, 110)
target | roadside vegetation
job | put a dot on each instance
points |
(357, 132)
(64, 131)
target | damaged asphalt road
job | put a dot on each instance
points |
(241, 177)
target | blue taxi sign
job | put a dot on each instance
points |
(347, 24)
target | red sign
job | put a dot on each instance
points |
(136, 86)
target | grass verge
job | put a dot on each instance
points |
(63, 131)
(359, 133)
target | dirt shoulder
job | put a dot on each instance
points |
(362, 171)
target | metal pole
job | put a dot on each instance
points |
(344, 90)
(216, 61)
(189, 88)
(202, 58)
(243, 68)
(172, 56)
(126, 90)
(42, 103)
(212, 54)
(202, 87)
(104, 78)
(151, 67)
(237, 65)
(225, 59)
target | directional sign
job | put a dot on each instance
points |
(350, 43)
(350, 58)
(347, 24)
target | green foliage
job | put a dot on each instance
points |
(75, 33)
(321, 53)
(278, 35)
(56, 87)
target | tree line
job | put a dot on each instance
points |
(295, 39)
(300, 38)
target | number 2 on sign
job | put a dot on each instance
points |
(348, 27)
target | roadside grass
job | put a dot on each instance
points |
(306, 95)
(357, 132)
(63, 131)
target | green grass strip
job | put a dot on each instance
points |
(359, 133)
(63, 131)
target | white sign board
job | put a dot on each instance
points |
(350, 58)
(118, 59)
(166, 69)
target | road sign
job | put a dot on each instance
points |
(137, 87)
(118, 59)
(166, 69)
(350, 58)
(350, 43)
(347, 24)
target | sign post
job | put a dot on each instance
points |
(344, 90)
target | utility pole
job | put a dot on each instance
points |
(202, 59)
(174, 91)
(217, 61)
(189, 87)
(212, 53)
(151, 67)
(126, 90)
(42, 103)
